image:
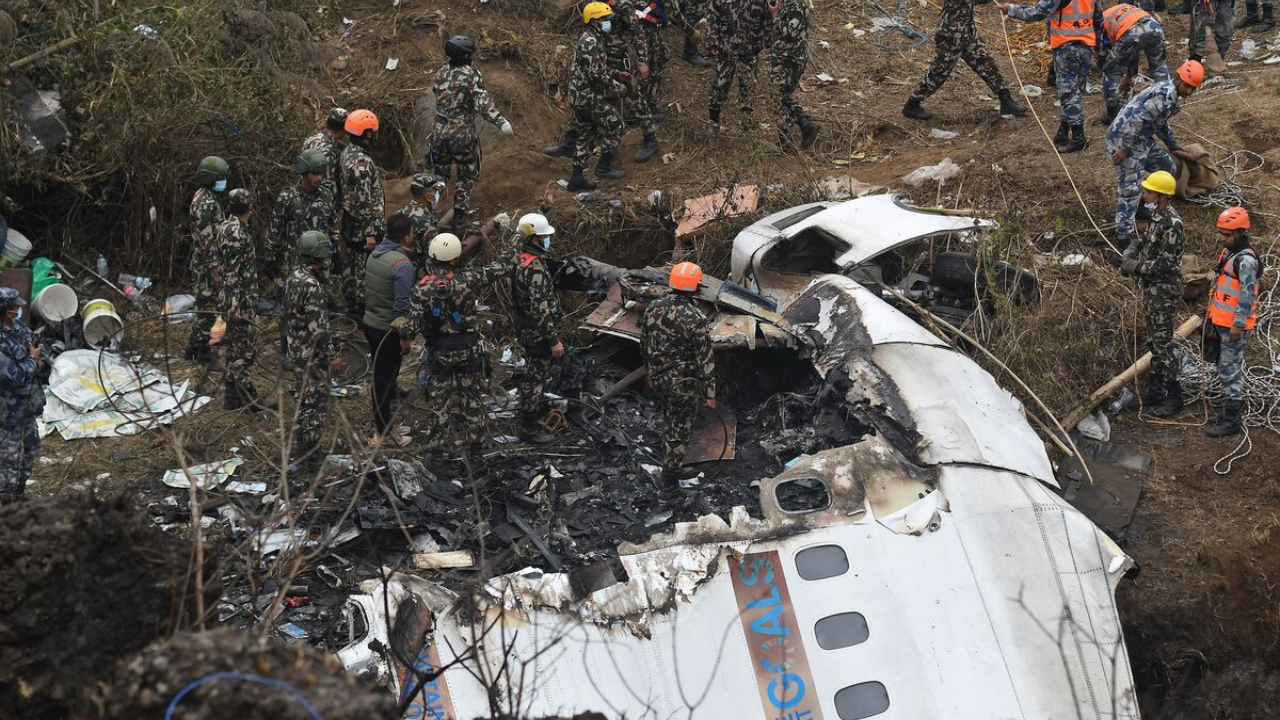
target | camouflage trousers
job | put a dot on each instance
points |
(240, 349)
(681, 398)
(658, 54)
(745, 69)
(1129, 175)
(950, 46)
(463, 153)
(785, 72)
(353, 257)
(531, 381)
(1160, 304)
(1223, 20)
(595, 123)
(1231, 363)
(19, 446)
(1147, 37)
(691, 11)
(311, 400)
(455, 394)
(1071, 63)
(205, 307)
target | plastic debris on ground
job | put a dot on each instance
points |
(844, 188)
(177, 308)
(206, 475)
(93, 394)
(1032, 91)
(1249, 49)
(938, 134)
(939, 173)
(1095, 427)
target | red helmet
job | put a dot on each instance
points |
(1234, 218)
(362, 121)
(685, 276)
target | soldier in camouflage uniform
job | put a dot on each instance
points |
(236, 263)
(1131, 140)
(313, 355)
(331, 141)
(594, 89)
(443, 310)
(426, 190)
(21, 398)
(1156, 260)
(206, 216)
(1221, 15)
(957, 38)
(536, 316)
(460, 97)
(740, 30)
(1233, 313)
(304, 207)
(787, 62)
(687, 15)
(652, 57)
(1125, 38)
(675, 340)
(363, 206)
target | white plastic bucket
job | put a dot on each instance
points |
(55, 303)
(101, 323)
(16, 247)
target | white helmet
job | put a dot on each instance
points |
(445, 247)
(533, 224)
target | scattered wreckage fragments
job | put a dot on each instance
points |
(927, 570)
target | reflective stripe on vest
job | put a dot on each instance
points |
(1073, 23)
(1225, 299)
(1116, 21)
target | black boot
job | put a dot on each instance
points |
(714, 116)
(808, 132)
(531, 432)
(605, 169)
(1009, 107)
(231, 399)
(1250, 16)
(1172, 404)
(914, 111)
(647, 148)
(1181, 8)
(1228, 424)
(249, 398)
(564, 149)
(1060, 138)
(692, 56)
(578, 183)
(1077, 142)
(1268, 21)
(1154, 394)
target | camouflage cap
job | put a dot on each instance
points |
(424, 181)
(10, 297)
(239, 196)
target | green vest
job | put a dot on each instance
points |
(379, 296)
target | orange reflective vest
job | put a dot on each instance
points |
(1117, 20)
(1073, 23)
(1226, 293)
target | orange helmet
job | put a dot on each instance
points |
(1191, 72)
(685, 276)
(361, 121)
(1234, 218)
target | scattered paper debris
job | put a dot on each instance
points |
(206, 475)
(940, 173)
(393, 63)
(1032, 91)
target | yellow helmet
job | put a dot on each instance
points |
(1161, 182)
(595, 10)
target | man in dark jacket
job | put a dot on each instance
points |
(388, 286)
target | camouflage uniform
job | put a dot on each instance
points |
(593, 95)
(675, 339)
(460, 96)
(21, 402)
(1222, 16)
(1122, 59)
(1071, 60)
(536, 316)
(1231, 354)
(1159, 253)
(686, 14)
(206, 216)
(298, 210)
(789, 57)
(424, 224)
(1133, 131)
(443, 310)
(652, 51)
(740, 30)
(237, 266)
(332, 150)
(957, 38)
(306, 320)
(363, 215)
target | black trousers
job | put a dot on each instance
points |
(385, 357)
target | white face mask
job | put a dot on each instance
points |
(1151, 207)
(220, 186)
(606, 26)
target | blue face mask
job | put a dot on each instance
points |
(546, 244)
(220, 186)
(606, 26)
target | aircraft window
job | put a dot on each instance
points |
(822, 562)
(841, 631)
(863, 700)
